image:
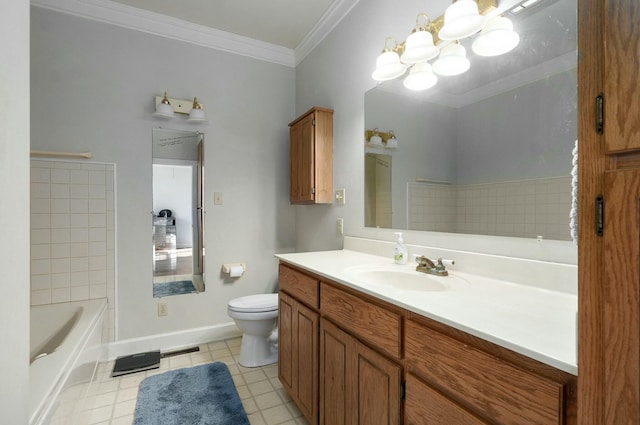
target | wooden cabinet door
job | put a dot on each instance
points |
(621, 83)
(622, 297)
(358, 386)
(285, 342)
(305, 361)
(302, 160)
(379, 388)
(336, 363)
(298, 354)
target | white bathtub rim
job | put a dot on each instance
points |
(42, 398)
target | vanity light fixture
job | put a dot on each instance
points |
(452, 61)
(164, 108)
(496, 38)
(441, 37)
(167, 108)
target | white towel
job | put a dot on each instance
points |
(573, 215)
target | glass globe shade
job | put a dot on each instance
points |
(497, 38)
(388, 66)
(461, 20)
(419, 48)
(421, 77)
(452, 61)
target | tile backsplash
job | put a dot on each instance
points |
(527, 208)
(72, 232)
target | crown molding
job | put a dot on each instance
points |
(332, 17)
(154, 23)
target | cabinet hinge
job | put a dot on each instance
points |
(600, 113)
(600, 215)
(313, 190)
(313, 122)
(403, 390)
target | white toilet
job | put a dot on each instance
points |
(256, 316)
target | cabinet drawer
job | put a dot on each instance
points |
(488, 385)
(425, 406)
(301, 286)
(372, 323)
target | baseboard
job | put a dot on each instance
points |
(172, 340)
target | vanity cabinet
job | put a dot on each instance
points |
(357, 384)
(311, 157)
(479, 384)
(377, 363)
(298, 336)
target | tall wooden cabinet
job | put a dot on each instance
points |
(311, 157)
(609, 167)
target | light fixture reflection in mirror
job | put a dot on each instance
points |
(177, 226)
(487, 152)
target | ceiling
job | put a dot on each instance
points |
(281, 22)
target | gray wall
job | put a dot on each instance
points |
(533, 138)
(337, 74)
(14, 211)
(93, 87)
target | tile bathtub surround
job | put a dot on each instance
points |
(72, 233)
(112, 401)
(526, 208)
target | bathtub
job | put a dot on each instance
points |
(65, 347)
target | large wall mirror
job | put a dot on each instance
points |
(486, 152)
(177, 228)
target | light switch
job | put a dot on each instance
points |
(217, 198)
(340, 197)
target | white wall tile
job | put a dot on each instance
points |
(60, 265)
(40, 221)
(60, 280)
(79, 293)
(40, 175)
(41, 297)
(41, 205)
(80, 235)
(98, 220)
(60, 206)
(40, 190)
(60, 250)
(79, 191)
(39, 236)
(79, 264)
(97, 177)
(60, 176)
(79, 206)
(40, 251)
(40, 282)
(97, 291)
(79, 249)
(59, 221)
(97, 262)
(79, 278)
(78, 177)
(60, 236)
(42, 266)
(79, 221)
(59, 191)
(98, 234)
(97, 191)
(60, 295)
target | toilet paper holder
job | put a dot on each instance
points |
(234, 268)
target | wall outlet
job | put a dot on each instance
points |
(163, 309)
(340, 197)
(340, 226)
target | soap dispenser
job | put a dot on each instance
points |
(400, 252)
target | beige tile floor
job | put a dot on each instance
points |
(112, 401)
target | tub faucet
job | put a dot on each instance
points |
(425, 265)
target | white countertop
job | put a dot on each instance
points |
(537, 323)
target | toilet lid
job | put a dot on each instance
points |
(255, 303)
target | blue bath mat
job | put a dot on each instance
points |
(199, 395)
(163, 289)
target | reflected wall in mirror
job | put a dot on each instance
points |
(177, 228)
(490, 151)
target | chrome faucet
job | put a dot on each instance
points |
(425, 265)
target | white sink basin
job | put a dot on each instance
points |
(401, 278)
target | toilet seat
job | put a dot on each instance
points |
(254, 303)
